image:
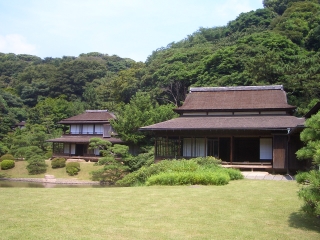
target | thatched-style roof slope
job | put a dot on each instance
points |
(222, 123)
(236, 98)
(90, 116)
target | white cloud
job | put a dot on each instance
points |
(15, 43)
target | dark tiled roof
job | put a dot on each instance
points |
(241, 122)
(236, 98)
(90, 116)
(82, 139)
(23, 123)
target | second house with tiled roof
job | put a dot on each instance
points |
(83, 127)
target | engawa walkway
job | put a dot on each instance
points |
(267, 176)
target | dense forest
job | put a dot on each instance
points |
(278, 44)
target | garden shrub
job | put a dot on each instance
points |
(189, 178)
(208, 165)
(234, 174)
(140, 176)
(48, 155)
(73, 168)
(7, 164)
(36, 165)
(6, 157)
(58, 162)
(208, 161)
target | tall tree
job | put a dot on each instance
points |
(141, 111)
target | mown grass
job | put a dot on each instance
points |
(20, 171)
(247, 209)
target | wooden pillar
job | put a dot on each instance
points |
(231, 149)
(155, 147)
(205, 146)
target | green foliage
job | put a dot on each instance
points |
(141, 111)
(58, 163)
(310, 192)
(260, 17)
(7, 164)
(7, 157)
(298, 21)
(72, 168)
(36, 165)
(279, 6)
(302, 178)
(101, 144)
(28, 152)
(142, 159)
(196, 166)
(3, 149)
(234, 174)
(189, 178)
(113, 168)
(311, 137)
(112, 171)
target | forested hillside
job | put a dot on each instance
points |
(278, 44)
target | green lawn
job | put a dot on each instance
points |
(20, 171)
(243, 209)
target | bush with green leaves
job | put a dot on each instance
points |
(72, 168)
(7, 164)
(6, 157)
(112, 171)
(189, 178)
(58, 163)
(36, 165)
(145, 158)
(205, 165)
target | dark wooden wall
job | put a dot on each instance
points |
(279, 151)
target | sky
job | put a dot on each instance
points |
(127, 28)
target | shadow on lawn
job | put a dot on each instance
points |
(303, 221)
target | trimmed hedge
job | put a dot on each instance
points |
(6, 157)
(72, 168)
(189, 178)
(36, 165)
(58, 163)
(7, 164)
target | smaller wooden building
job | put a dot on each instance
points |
(246, 126)
(83, 127)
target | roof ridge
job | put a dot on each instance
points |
(235, 88)
(91, 111)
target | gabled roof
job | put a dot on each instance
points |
(90, 116)
(230, 122)
(236, 98)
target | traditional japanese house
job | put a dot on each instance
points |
(83, 127)
(246, 127)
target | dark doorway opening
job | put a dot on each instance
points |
(246, 149)
(80, 149)
(224, 149)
